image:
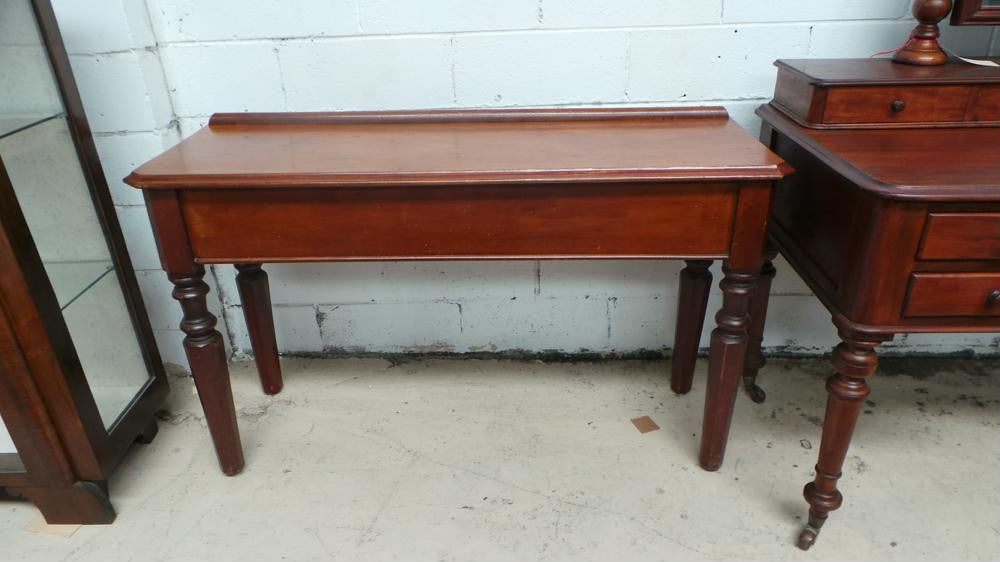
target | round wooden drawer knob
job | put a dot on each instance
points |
(897, 105)
(993, 299)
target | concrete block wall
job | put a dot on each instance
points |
(119, 72)
(152, 71)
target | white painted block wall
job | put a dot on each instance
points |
(152, 71)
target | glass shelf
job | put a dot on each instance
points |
(13, 125)
(89, 295)
(10, 462)
(71, 279)
(102, 335)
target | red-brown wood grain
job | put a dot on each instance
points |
(206, 354)
(729, 340)
(758, 316)
(256, 298)
(169, 230)
(896, 104)
(961, 236)
(984, 104)
(881, 72)
(799, 98)
(914, 164)
(476, 222)
(455, 147)
(975, 12)
(65, 451)
(880, 94)
(895, 229)
(954, 294)
(692, 298)
(471, 184)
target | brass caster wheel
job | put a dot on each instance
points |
(807, 537)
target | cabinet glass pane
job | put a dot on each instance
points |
(9, 459)
(50, 187)
(6, 445)
(37, 150)
(28, 92)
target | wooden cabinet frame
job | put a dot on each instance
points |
(65, 453)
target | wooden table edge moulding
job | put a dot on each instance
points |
(636, 183)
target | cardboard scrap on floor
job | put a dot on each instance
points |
(644, 424)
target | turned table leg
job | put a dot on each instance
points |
(695, 283)
(854, 361)
(726, 356)
(207, 358)
(758, 314)
(256, 298)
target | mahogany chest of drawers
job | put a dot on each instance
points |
(892, 218)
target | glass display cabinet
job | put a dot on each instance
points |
(80, 375)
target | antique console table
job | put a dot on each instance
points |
(646, 183)
(893, 218)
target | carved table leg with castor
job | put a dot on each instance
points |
(854, 360)
(695, 284)
(207, 358)
(758, 315)
(256, 299)
(725, 365)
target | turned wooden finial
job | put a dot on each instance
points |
(922, 48)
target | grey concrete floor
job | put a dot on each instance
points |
(450, 459)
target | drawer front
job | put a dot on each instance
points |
(985, 104)
(961, 236)
(876, 104)
(473, 222)
(953, 294)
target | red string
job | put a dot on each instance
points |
(894, 51)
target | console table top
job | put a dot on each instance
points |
(293, 150)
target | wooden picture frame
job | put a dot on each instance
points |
(976, 12)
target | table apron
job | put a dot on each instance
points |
(476, 222)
